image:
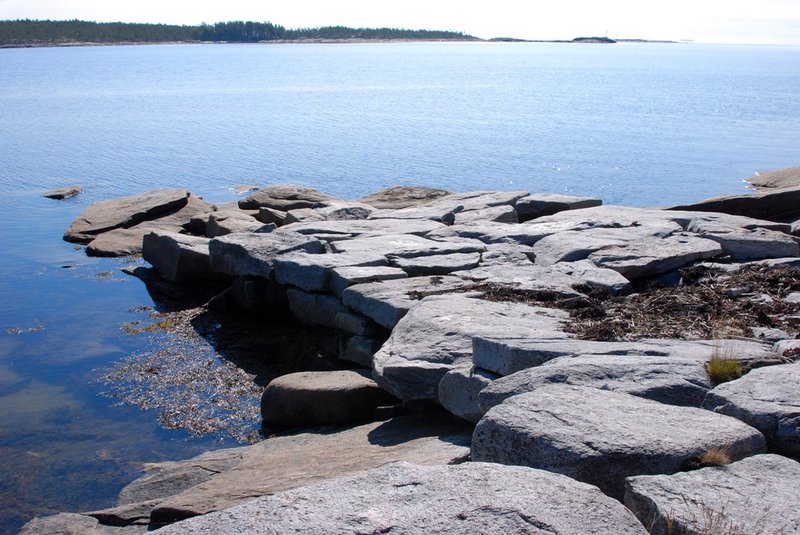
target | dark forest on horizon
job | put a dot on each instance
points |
(50, 32)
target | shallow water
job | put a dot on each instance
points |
(635, 124)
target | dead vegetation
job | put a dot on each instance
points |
(709, 303)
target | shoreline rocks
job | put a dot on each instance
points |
(465, 301)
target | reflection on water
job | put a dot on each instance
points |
(63, 447)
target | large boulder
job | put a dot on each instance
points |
(124, 212)
(406, 498)
(284, 197)
(601, 437)
(754, 495)
(322, 398)
(769, 400)
(436, 336)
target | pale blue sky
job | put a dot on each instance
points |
(715, 21)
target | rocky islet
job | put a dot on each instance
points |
(405, 279)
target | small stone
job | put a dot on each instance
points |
(62, 193)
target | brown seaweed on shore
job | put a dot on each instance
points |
(708, 303)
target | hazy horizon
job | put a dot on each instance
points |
(770, 22)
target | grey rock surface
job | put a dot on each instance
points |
(650, 257)
(311, 272)
(75, 524)
(328, 311)
(359, 350)
(231, 221)
(322, 398)
(406, 498)
(601, 437)
(667, 379)
(255, 253)
(124, 212)
(128, 241)
(499, 214)
(386, 302)
(459, 390)
(343, 277)
(779, 178)
(403, 246)
(768, 399)
(505, 355)
(402, 197)
(743, 244)
(751, 496)
(436, 336)
(282, 462)
(440, 264)
(177, 257)
(284, 197)
(773, 204)
(340, 230)
(543, 204)
(60, 194)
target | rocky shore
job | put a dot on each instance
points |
(510, 363)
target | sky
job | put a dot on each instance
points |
(708, 21)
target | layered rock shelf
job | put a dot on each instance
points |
(459, 310)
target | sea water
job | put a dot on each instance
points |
(637, 124)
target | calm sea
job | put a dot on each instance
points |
(640, 124)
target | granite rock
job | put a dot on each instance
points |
(406, 498)
(601, 437)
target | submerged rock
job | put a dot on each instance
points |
(62, 193)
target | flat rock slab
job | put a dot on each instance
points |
(311, 272)
(322, 398)
(282, 462)
(459, 392)
(124, 212)
(650, 257)
(667, 379)
(526, 277)
(76, 524)
(440, 264)
(284, 197)
(768, 399)
(406, 498)
(403, 246)
(343, 277)
(340, 230)
(602, 437)
(754, 495)
(774, 204)
(231, 221)
(255, 253)
(387, 301)
(436, 336)
(543, 204)
(402, 197)
(177, 257)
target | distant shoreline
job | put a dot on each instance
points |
(354, 40)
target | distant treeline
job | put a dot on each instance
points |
(51, 32)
